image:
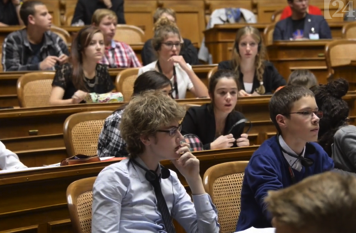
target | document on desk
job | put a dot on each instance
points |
(258, 230)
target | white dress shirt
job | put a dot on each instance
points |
(9, 160)
(293, 162)
(124, 201)
(183, 81)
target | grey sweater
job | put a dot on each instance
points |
(344, 147)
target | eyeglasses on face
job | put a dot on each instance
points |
(171, 131)
(171, 44)
(310, 114)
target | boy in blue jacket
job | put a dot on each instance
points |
(285, 159)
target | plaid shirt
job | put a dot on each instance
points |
(110, 141)
(120, 55)
(17, 53)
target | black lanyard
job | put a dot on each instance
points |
(175, 84)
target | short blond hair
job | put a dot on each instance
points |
(99, 14)
(160, 11)
(321, 203)
(144, 115)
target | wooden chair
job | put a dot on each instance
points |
(79, 199)
(1, 69)
(276, 16)
(62, 33)
(129, 34)
(223, 182)
(349, 31)
(339, 53)
(82, 130)
(268, 34)
(211, 73)
(125, 82)
(34, 89)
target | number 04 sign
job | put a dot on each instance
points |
(341, 7)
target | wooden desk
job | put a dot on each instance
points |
(8, 86)
(8, 83)
(36, 134)
(35, 201)
(220, 39)
(291, 55)
(348, 72)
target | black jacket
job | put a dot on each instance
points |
(271, 78)
(200, 121)
(188, 51)
(85, 9)
(284, 28)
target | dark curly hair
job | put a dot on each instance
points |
(336, 111)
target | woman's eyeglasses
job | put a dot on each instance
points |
(171, 44)
(171, 131)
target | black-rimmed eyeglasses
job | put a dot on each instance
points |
(171, 131)
(310, 114)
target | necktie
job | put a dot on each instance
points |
(162, 206)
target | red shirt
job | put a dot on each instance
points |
(287, 11)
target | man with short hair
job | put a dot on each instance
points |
(138, 194)
(301, 25)
(117, 54)
(10, 12)
(34, 47)
(324, 203)
(285, 159)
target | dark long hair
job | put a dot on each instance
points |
(150, 80)
(336, 111)
(80, 42)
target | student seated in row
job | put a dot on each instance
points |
(285, 159)
(111, 142)
(82, 75)
(117, 54)
(336, 135)
(213, 122)
(167, 44)
(34, 47)
(256, 75)
(301, 25)
(188, 51)
(139, 194)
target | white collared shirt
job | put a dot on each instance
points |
(124, 201)
(293, 162)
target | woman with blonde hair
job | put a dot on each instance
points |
(256, 75)
(167, 44)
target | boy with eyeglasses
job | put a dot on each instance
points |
(285, 159)
(140, 195)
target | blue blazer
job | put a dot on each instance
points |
(284, 29)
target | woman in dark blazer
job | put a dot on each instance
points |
(213, 123)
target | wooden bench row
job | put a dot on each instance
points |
(36, 134)
(35, 201)
(192, 15)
